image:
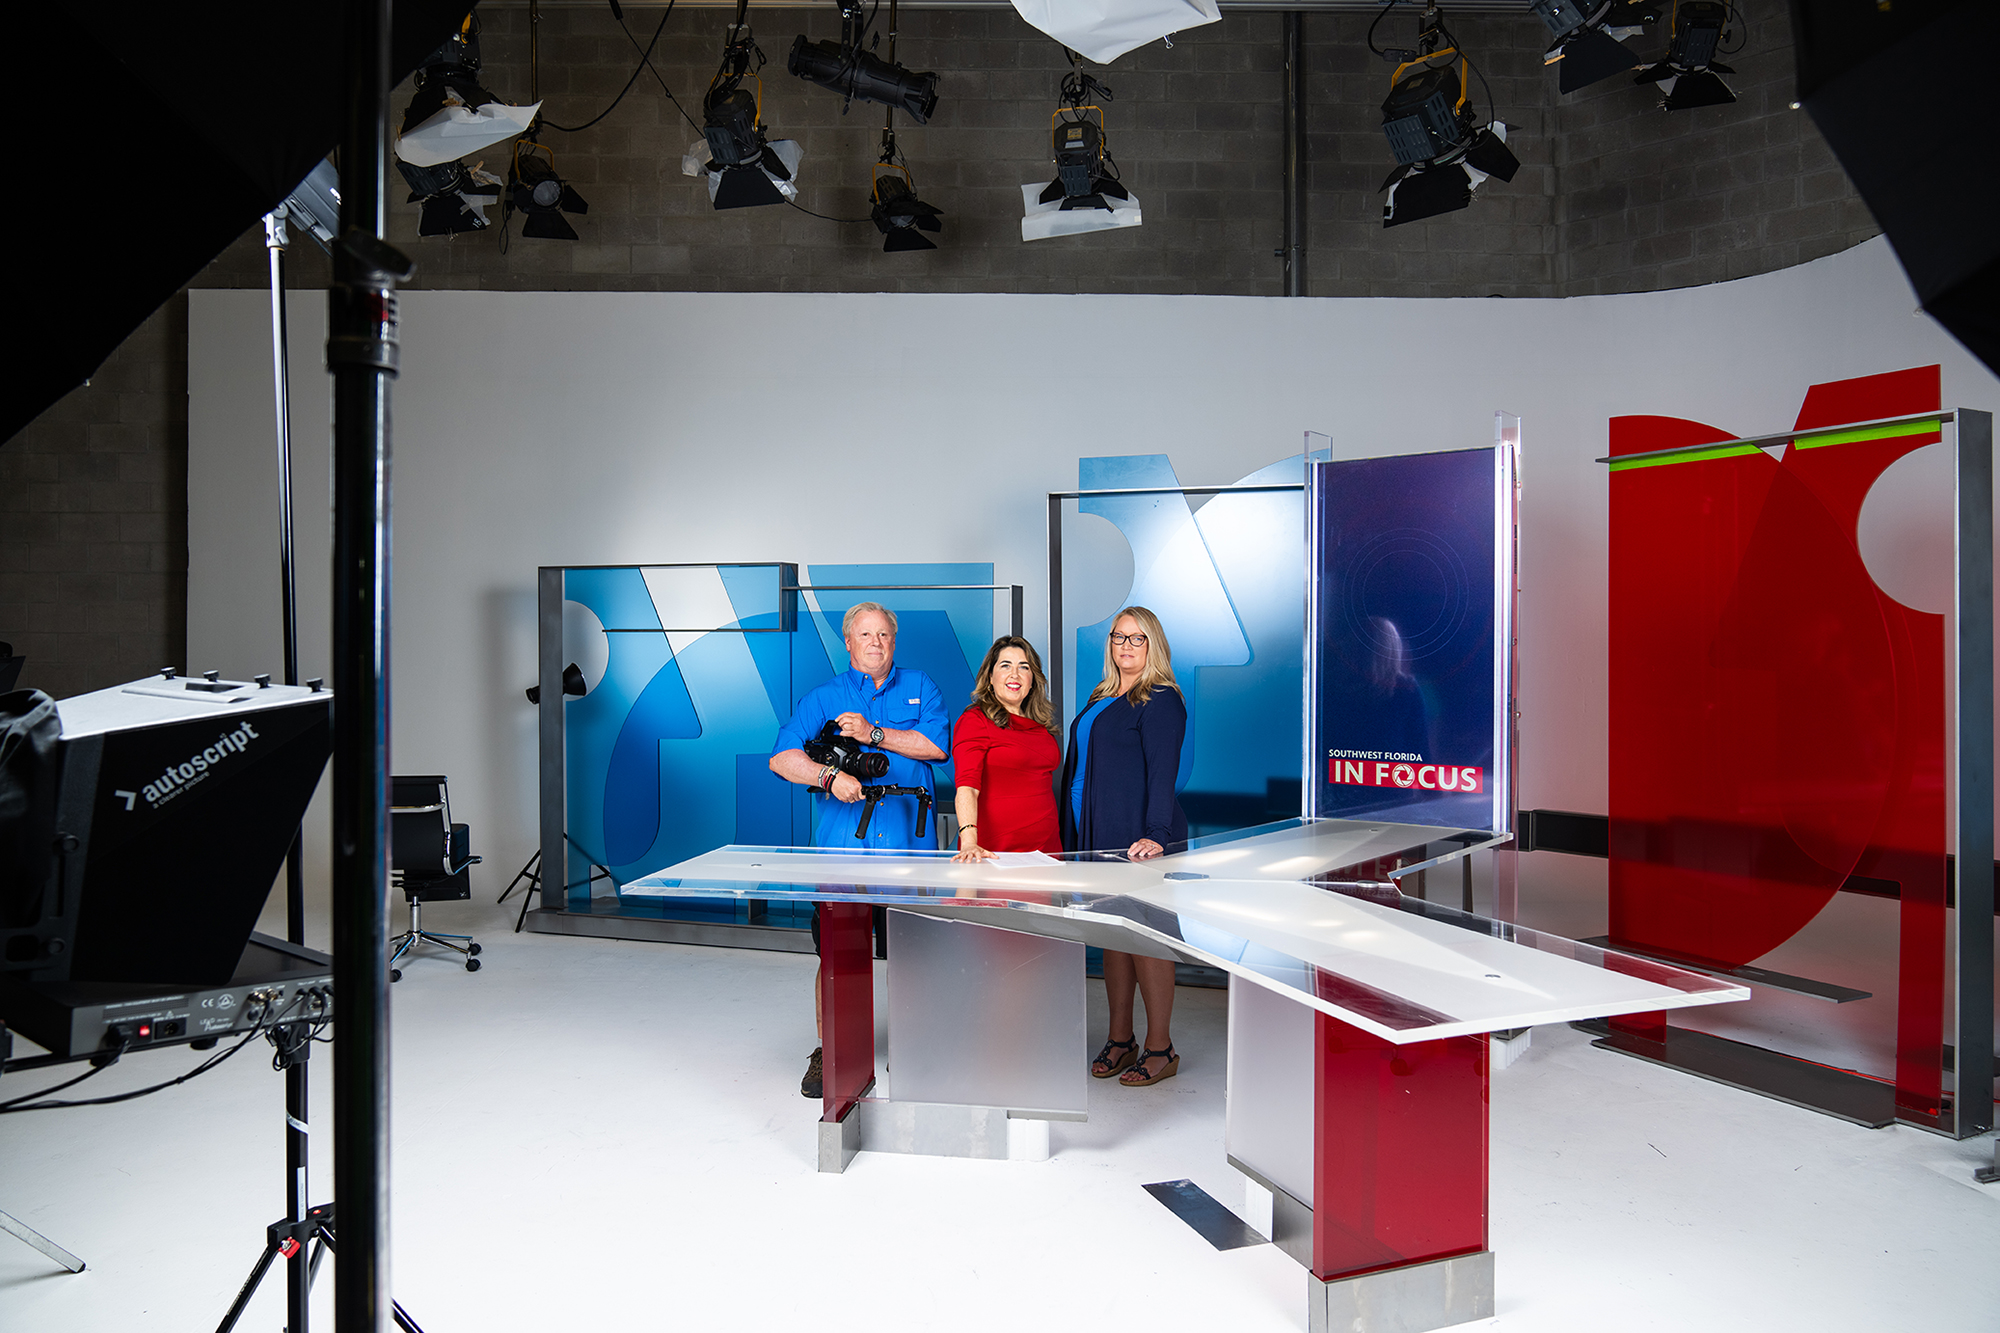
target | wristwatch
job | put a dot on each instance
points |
(875, 736)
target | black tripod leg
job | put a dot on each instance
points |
(249, 1289)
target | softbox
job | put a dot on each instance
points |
(97, 276)
(1913, 129)
(1103, 30)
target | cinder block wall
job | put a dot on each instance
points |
(1613, 195)
(1650, 199)
(93, 520)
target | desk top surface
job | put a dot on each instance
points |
(1305, 908)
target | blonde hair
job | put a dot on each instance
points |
(860, 609)
(1159, 668)
(1035, 706)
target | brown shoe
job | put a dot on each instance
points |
(814, 1083)
(1105, 1065)
(1137, 1077)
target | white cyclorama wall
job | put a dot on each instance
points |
(592, 428)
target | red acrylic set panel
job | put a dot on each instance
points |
(1399, 1149)
(847, 1004)
(1777, 721)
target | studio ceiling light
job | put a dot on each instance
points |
(451, 115)
(1443, 152)
(541, 196)
(451, 198)
(743, 167)
(1589, 37)
(898, 214)
(858, 75)
(1689, 76)
(1086, 194)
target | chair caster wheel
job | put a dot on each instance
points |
(473, 951)
(472, 964)
(395, 974)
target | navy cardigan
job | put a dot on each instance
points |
(1128, 788)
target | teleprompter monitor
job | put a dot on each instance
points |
(148, 831)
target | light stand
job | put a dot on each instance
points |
(298, 1105)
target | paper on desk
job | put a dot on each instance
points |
(1016, 860)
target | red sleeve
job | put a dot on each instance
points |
(970, 740)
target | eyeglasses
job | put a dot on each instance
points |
(1120, 640)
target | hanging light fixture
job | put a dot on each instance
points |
(846, 68)
(898, 214)
(452, 197)
(1443, 150)
(451, 115)
(1589, 44)
(1688, 76)
(541, 196)
(743, 167)
(1086, 194)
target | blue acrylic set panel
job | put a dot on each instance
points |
(1225, 574)
(666, 755)
(1407, 650)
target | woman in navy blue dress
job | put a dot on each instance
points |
(1117, 794)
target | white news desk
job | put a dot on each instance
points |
(1359, 1017)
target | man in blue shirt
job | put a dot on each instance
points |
(897, 710)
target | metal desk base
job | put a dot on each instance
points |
(932, 1129)
(1412, 1299)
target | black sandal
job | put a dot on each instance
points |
(1130, 1046)
(1167, 1070)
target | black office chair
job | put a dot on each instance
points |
(430, 861)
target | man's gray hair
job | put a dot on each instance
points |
(860, 609)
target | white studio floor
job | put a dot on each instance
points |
(608, 1136)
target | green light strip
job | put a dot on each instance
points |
(1803, 440)
(1928, 426)
(1699, 454)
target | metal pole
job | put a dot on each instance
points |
(298, 1102)
(1972, 681)
(549, 730)
(1294, 253)
(361, 353)
(1056, 607)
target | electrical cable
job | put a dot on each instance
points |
(91, 1072)
(639, 69)
(645, 60)
(821, 216)
(1742, 29)
(29, 1102)
(1381, 14)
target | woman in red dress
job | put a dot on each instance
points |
(1004, 753)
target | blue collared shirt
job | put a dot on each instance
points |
(908, 700)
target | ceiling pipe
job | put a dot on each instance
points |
(1294, 252)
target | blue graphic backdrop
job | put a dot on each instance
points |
(666, 754)
(1225, 574)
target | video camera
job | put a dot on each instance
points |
(845, 753)
(852, 758)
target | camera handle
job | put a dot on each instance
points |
(873, 796)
